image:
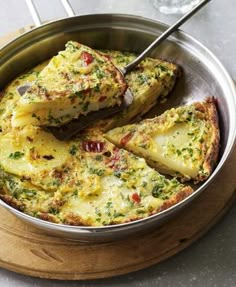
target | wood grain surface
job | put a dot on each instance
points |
(29, 251)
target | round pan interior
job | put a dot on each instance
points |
(203, 76)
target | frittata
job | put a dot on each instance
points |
(87, 181)
(90, 181)
(152, 80)
(75, 82)
(183, 141)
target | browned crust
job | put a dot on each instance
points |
(76, 220)
(210, 111)
(47, 217)
(180, 196)
(2, 93)
(13, 202)
(175, 199)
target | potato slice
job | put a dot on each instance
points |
(30, 150)
(183, 141)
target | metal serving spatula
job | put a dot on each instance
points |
(70, 129)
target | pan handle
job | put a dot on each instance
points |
(35, 15)
(69, 10)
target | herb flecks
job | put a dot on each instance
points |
(97, 171)
(157, 190)
(73, 150)
(16, 155)
(35, 116)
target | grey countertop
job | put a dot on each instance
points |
(212, 260)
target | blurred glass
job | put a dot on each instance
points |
(175, 6)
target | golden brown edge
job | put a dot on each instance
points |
(75, 220)
(210, 110)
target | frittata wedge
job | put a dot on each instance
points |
(75, 82)
(183, 141)
(158, 80)
(87, 181)
(151, 81)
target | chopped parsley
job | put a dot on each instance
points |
(79, 94)
(98, 212)
(53, 210)
(53, 120)
(97, 88)
(162, 68)
(178, 152)
(16, 155)
(118, 214)
(97, 171)
(28, 192)
(108, 208)
(56, 182)
(109, 204)
(98, 157)
(71, 47)
(157, 189)
(100, 74)
(142, 79)
(117, 173)
(85, 106)
(35, 116)
(73, 150)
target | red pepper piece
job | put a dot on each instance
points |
(135, 197)
(93, 146)
(126, 138)
(88, 58)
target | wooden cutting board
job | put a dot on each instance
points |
(29, 251)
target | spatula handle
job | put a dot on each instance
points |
(163, 36)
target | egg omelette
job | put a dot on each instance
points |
(87, 181)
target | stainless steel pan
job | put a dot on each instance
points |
(203, 76)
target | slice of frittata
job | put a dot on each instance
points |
(75, 82)
(151, 81)
(183, 141)
(87, 181)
